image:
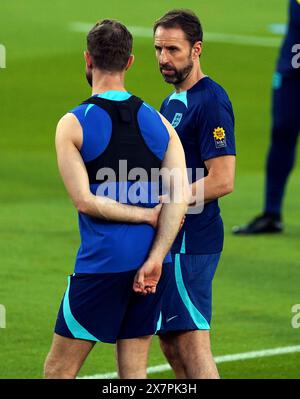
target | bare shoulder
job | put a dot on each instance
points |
(69, 129)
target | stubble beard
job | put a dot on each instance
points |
(180, 74)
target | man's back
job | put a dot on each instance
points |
(120, 256)
(117, 126)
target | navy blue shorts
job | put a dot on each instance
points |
(103, 307)
(188, 296)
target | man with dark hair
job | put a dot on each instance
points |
(284, 134)
(111, 49)
(202, 114)
(121, 268)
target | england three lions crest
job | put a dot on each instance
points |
(176, 120)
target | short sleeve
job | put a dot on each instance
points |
(215, 126)
(96, 130)
(153, 130)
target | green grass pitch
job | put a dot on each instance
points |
(257, 281)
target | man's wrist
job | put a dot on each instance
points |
(140, 214)
(156, 259)
(148, 216)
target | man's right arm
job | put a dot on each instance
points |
(171, 215)
(74, 174)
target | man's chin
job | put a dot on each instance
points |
(169, 79)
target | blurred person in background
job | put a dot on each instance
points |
(285, 131)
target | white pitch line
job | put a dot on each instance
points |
(219, 359)
(278, 29)
(245, 40)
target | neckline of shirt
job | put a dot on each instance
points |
(191, 88)
(114, 95)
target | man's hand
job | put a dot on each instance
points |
(147, 277)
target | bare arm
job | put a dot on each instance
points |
(218, 182)
(73, 171)
(170, 217)
(173, 211)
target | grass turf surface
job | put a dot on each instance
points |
(257, 281)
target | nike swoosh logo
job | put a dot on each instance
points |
(171, 318)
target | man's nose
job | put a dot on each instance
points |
(163, 58)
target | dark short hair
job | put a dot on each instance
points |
(110, 45)
(186, 20)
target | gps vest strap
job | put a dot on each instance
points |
(126, 143)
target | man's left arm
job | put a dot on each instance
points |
(218, 182)
(217, 150)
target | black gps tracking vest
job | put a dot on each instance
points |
(126, 143)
